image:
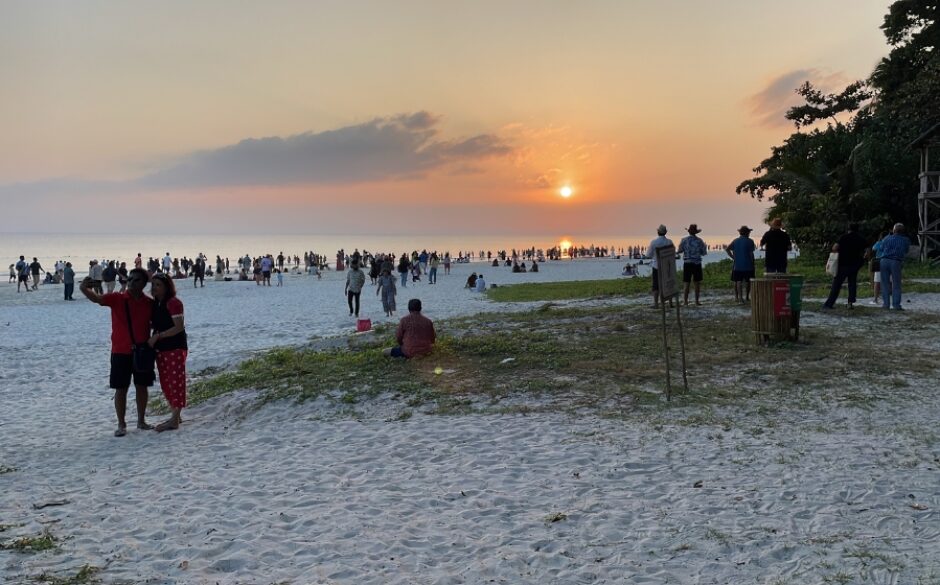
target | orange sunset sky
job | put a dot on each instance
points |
(397, 117)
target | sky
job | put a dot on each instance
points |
(406, 117)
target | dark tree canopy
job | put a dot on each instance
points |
(862, 169)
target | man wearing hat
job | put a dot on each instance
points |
(741, 251)
(692, 249)
(658, 242)
(776, 243)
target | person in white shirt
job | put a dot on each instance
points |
(480, 285)
(658, 242)
(167, 263)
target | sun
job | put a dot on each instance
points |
(565, 191)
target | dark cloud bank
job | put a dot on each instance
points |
(401, 146)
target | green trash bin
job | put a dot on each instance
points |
(796, 291)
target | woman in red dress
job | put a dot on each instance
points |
(169, 339)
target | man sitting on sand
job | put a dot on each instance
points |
(415, 334)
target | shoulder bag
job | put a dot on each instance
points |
(143, 356)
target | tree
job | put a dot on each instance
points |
(862, 170)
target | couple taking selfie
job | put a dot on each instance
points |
(146, 333)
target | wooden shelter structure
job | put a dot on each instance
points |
(928, 199)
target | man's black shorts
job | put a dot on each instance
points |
(742, 275)
(122, 370)
(655, 279)
(23, 278)
(691, 272)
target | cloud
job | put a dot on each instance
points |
(405, 146)
(546, 180)
(381, 149)
(769, 105)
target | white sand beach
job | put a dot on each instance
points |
(289, 494)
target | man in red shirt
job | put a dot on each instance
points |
(415, 334)
(137, 307)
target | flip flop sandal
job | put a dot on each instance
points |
(120, 432)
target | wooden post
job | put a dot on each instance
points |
(685, 381)
(666, 352)
(668, 289)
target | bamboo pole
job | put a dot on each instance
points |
(666, 353)
(685, 381)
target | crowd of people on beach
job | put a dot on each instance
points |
(885, 257)
(390, 272)
(149, 336)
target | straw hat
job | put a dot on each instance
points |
(693, 229)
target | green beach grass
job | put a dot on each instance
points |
(607, 360)
(716, 279)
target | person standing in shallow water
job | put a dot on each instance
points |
(169, 340)
(130, 311)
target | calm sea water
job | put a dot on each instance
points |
(80, 248)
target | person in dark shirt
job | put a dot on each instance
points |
(776, 243)
(415, 334)
(109, 276)
(68, 277)
(35, 268)
(169, 339)
(851, 259)
(199, 272)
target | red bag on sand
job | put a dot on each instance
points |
(363, 325)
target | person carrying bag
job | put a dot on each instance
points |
(832, 264)
(143, 356)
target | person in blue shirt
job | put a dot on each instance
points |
(741, 251)
(692, 249)
(893, 251)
